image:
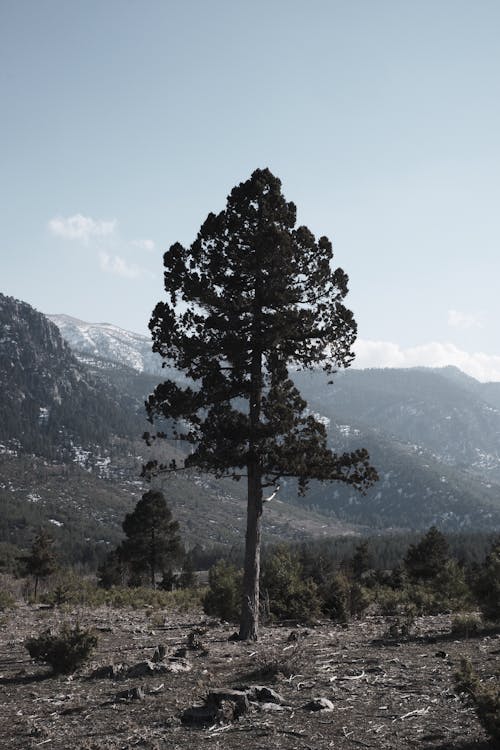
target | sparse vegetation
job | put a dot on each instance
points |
(66, 651)
(485, 697)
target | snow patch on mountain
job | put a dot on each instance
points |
(109, 342)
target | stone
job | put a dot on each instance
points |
(108, 671)
(142, 669)
(132, 694)
(217, 696)
(264, 694)
(159, 653)
(199, 715)
(319, 704)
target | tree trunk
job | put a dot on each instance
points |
(249, 624)
(152, 559)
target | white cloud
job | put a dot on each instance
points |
(81, 228)
(148, 245)
(118, 266)
(465, 321)
(483, 367)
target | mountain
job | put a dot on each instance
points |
(109, 342)
(71, 421)
(443, 413)
(433, 434)
(71, 450)
(49, 401)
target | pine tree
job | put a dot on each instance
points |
(252, 297)
(425, 560)
(153, 542)
(42, 560)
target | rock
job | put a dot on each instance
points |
(142, 669)
(176, 665)
(148, 668)
(319, 704)
(199, 715)
(264, 694)
(108, 671)
(269, 707)
(132, 694)
(221, 705)
(159, 653)
(217, 696)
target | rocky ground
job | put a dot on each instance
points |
(202, 690)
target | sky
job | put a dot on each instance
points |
(125, 122)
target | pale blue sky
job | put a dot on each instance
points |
(124, 122)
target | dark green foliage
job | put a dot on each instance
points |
(153, 541)
(290, 595)
(465, 626)
(487, 585)
(426, 559)
(258, 296)
(484, 697)
(188, 578)
(361, 560)
(64, 652)
(336, 598)
(7, 600)
(42, 560)
(112, 570)
(223, 598)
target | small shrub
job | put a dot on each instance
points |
(463, 626)
(484, 698)
(289, 595)
(487, 585)
(64, 652)
(7, 601)
(223, 598)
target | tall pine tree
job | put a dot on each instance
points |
(252, 297)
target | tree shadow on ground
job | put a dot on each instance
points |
(26, 678)
(473, 745)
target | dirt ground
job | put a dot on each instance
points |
(386, 692)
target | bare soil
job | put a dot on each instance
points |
(386, 692)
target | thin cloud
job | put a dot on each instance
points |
(80, 228)
(483, 367)
(118, 266)
(466, 321)
(148, 245)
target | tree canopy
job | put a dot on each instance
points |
(153, 541)
(253, 298)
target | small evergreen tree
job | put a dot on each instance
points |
(223, 598)
(111, 571)
(290, 595)
(425, 560)
(361, 561)
(187, 578)
(42, 560)
(153, 542)
(487, 585)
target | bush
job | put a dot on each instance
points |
(484, 698)
(463, 626)
(223, 598)
(289, 596)
(64, 652)
(7, 601)
(487, 585)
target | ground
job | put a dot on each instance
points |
(387, 692)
